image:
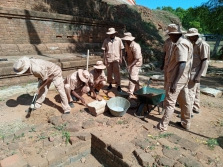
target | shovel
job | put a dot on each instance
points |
(130, 79)
(32, 106)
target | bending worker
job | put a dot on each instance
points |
(134, 61)
(76, 84)
(47, 72)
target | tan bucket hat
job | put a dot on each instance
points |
(174, 29)
(83, 75)
(111, 31)
(128, 37)
(192, 32)
(100, 65)
(21, 65)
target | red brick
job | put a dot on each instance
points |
(14, 161)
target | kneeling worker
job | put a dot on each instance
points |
(76, 84)
(47, 72)
(97, 77)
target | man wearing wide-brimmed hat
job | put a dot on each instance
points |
(112, 47)
(167, 49)
(134, 60)
(178, 73)
(201, 56)
(47, 72)
(76, 84)
(97, 77)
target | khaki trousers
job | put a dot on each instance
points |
(59, 84)
(181, 95)
(80, 91)
(113, 68)
(134, 74)
(100, 85)
(196, 105)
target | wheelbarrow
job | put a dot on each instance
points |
(148, 99)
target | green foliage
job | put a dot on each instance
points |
(66, 135)
(212, 143)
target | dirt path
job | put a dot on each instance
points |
(206, 125)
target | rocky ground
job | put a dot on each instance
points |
(47, 135)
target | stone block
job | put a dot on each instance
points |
(189, 145)
(163, 161)
(138, 151)
(15, 160)
(211, 92)
(100, 141)
(72, 128)
(56, 120)
(172, 153)
(174, 139)
(145, 159)
(120, 161)
(84, 136)
(37, 160)
(97, 107)
(73, 140)
(88, 124)
(189, 162)
(121, 150)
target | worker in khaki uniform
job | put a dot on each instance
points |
(167, 49)
(134, 60)
(201, 56)
(76, 84)
(47, 72)
(178, 73)
(97, 77)
(112, 47)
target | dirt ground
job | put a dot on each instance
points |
(205, 126)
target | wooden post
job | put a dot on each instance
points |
(87, 58)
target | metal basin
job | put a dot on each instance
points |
(118, 106)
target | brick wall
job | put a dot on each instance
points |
(87, 8)
(32, 27)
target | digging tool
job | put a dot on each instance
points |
(32, 106)
(130, 79)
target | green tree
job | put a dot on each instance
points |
(211, 14)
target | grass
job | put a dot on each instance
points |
(65, 134)
(212, 143)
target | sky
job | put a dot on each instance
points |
(153, 4)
